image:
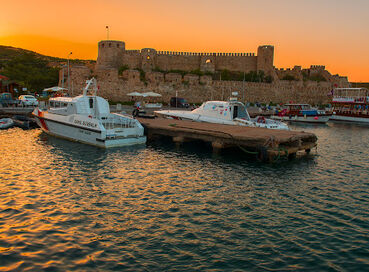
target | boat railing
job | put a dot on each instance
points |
(118, 122)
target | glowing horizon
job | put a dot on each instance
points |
(301, 34)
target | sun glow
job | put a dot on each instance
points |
(302, 35)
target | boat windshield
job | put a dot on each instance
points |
(240, 111)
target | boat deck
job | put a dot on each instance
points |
(267, 144)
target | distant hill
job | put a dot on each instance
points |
(30, 69)
(8, 53)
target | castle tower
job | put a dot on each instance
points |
(148, 59)
(265, 59)
(110, 54)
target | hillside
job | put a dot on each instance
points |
(30, 69)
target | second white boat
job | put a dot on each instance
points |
(223, 112)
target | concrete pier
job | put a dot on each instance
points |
(267, 144)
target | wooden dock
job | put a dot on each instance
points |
(267, 144)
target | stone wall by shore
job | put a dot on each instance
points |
(197, 89)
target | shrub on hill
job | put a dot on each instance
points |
(31, 71)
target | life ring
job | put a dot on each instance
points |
(261, 119)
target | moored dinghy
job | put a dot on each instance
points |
(6, 123)
(87, 119)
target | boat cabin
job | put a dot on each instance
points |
(352, 102)
(93, 106)
(350, 95)
(227, 110)
(300, 109)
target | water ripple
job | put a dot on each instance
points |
(68, 206)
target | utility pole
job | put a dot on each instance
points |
(69, 72)
(63, 76)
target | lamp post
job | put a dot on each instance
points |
(68, 71)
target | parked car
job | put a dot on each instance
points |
(179, 102)
(6, 99)
(28, 100)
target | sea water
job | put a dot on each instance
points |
(69, 206)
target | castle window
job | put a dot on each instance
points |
(102, 45)
(148, 57)
(208, 61)
(109, 44)
(118, 45)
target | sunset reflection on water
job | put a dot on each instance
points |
(68, 206)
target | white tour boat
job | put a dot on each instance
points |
(351, 105)
(302, 113)
(87, 119)
(223, 112)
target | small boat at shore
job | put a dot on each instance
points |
(87, 119)
(302, 113)
(6, 123)
(350, 105)
(223, 112)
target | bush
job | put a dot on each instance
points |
(289, 77)
(122, 69)
(142, 75)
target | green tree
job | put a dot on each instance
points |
(31, 71)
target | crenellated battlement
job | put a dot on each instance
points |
(317, 67)
(174, 53)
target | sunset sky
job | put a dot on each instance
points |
(334, 33)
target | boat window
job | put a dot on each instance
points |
(91, 103)
(52, 104)
(241, 112)
(235, 112)
(65, 105)
(57, 104)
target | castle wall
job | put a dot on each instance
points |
(177, 62)
(236, 63)
(114, 87)
(112, 54)
(197, 89)
(131, 58)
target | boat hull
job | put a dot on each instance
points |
(321, 119)
(85, 135)
(16, 110)
(188, 116)
(351, 119)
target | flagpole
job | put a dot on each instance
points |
(107, 32)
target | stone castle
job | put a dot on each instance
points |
(112, 54)
(192, 75)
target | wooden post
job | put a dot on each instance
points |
(217, 146)
(178, 140)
